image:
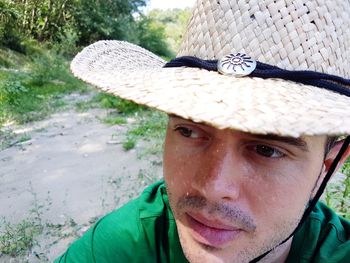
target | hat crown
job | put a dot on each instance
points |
(294, 35)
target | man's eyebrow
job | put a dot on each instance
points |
(299, 142)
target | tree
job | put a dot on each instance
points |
(175, 22)
(106, 19)
(72, 23)
(152, 37)
(9, 16)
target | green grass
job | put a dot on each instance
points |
(17, 239)
(346, 167)
(106, 101)
(8, 139)
(32, 90)
(115, 120)
(129, 144)
(83, 106)
(32, 87)
(24, 138)
(149, 126)
(12, 59)
(337, 195)
(124, 107)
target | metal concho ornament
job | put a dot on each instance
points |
(238, 65)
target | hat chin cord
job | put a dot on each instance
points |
(313, 202)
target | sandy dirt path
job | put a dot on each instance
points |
(71, 171)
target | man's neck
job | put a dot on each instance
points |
(279, 254)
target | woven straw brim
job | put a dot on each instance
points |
(255, 105)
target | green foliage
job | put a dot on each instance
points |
(337, 194)
(11, 91)
(9, 35)
(161, 31)
(49, 67)
(124, 107)
(68, 38)
(68, 24)
(40, 19)
(152, 37)
(129, 144)
(97, 20)
(32, 91)
(115, 120)
(12, 59)
(346, 167)
(17, 239)
(149, 125)
(174, 22)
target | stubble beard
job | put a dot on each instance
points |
(256, 246)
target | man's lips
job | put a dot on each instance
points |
(211, 232)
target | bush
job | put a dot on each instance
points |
(33, 90)
(12, 39)
(10, 91)
(153, 38)
(67, 42)
(9, 35)
(124, 107)
(46, 68)
(16, 240)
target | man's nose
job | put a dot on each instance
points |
(219, 175)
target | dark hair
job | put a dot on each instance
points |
(330, 142)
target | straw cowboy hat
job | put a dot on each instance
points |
(294, 57)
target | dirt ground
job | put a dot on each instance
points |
(72, 171)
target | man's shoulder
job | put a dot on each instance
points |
(330, 221)
(151, 205)
(133, 226)
(324, 237)
(153, 202)
(125, 225)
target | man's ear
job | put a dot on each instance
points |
(332, 154)
(329, 159)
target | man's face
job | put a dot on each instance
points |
(236, 195)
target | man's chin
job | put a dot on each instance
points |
(198, 250)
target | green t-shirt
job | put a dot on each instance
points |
(144, 230)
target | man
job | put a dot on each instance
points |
(251, 142)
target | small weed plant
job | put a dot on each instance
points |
(20, 239)
(337, 194)
(150, 126)
(17, 239)
(147, 125)
(129, 144)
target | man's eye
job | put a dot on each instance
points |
(186, 132)
(268, 151)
